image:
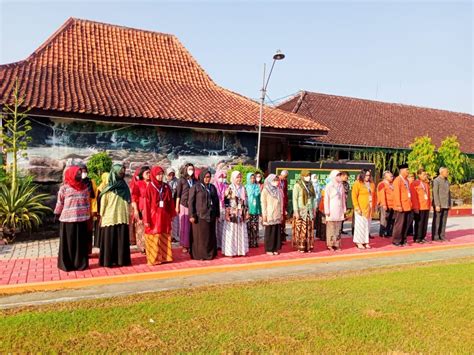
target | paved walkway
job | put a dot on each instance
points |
(33, 273)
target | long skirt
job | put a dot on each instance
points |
(220, 228)
(272, 238)
(333, 234)
(73, 245)
(158, 248)
(175, 228)
(361, 229)
(131, 226)
(139, 229)
(96, 234)
(184, 227)
(320, 226)
(235, 240)
(252, 230)
(204, 245)
(115, 246)
(303, 234)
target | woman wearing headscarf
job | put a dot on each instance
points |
(255, 209)
(115, 218)
(73, 209)
(334, 210)
(259, 180)
(172, 181)
(138, 185)
(303, 212)
(364, 201)
(159, 211)
(235, 240)
(186, 181)
(92, 188)
(220, 182)
(272, 214)
(203, 212)
(104, 181)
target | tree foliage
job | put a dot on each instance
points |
(422, 155)
(14, 135)
(98, 164)
(451, 157)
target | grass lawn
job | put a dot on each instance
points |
(424, 308)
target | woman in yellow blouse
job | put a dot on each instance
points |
(364, 200)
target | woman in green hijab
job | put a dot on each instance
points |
(304, 208)
(115, 216)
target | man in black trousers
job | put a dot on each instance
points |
(441, 205)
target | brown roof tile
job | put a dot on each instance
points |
(93, 68)
(360, 122)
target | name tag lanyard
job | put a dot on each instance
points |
(160, 193)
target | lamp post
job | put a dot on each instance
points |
(278, 56)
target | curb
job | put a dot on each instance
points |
(159, 275)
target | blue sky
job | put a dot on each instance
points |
(417, 53)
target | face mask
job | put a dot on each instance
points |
(159, 177)
(84, 175)
(190, 172)
(307, 178)
(314, 179)
(258, 178)
(221, 180)
(275, 183)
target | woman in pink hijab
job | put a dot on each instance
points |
(220, 182)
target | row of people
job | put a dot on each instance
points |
(207, 213)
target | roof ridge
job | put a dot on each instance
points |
(388, 103)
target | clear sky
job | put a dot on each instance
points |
(417, 53)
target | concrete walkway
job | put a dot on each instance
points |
(265, 272)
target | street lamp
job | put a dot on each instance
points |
(278, 56)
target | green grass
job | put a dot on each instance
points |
(413, 309)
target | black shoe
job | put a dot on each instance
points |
(398, 244)
(371, 236)
(344, 232)
(424, 241)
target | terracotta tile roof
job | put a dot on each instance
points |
(360, 122)
(95, 69)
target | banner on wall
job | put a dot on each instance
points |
(322, 170)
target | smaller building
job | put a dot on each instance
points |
(357, 125)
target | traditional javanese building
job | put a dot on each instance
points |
(142, 97)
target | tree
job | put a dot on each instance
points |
(98, 164)
(451, 157)
(423, 155)
(14, 134)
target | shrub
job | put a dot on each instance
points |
(423, 155)
(462, 192)
(244, 170)
(98, 164)
(21, 208)
(450, 156)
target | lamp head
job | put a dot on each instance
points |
(278, 55)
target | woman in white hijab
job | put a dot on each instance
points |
(334, 209)
(235, 241)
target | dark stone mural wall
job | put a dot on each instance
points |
(58, 143)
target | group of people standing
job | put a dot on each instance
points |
(405, 200)
(206, 213)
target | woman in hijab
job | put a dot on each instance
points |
(259, 180)
(73, 209)
(104, 181)
(203, 212)
(334, 210)
(115, 217)
(272, 214)
(235, 239)
(92, 187)
(364, 200)
(304, 209)
(220, 182)
(255, 209)
(172, 181)
(186, 181)
(159, 211)
(138, 185)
